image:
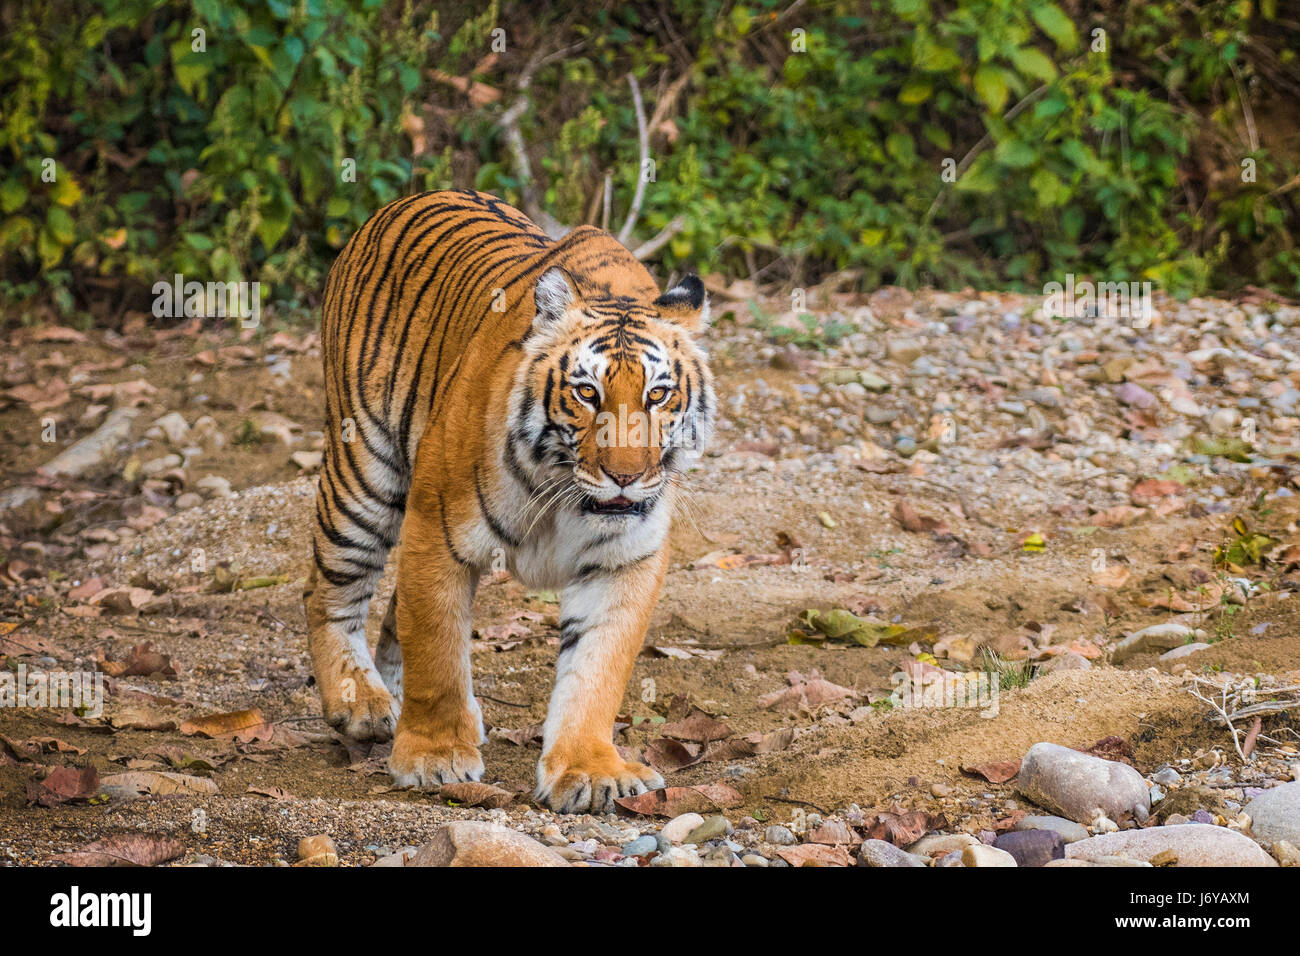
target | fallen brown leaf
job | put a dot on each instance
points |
(674, 801)
(125, 849)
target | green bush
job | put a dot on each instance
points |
(205, 137)
(810, 138)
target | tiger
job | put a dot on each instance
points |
(501, 400)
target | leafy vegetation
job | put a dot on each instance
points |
(981, 142)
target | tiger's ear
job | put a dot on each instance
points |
(555, 292)
(685, 304)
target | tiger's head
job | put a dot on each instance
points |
(615, 400)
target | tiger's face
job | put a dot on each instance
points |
(616, 400)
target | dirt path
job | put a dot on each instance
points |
(1020, 529)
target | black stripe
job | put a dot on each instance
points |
(490, 518)
(571, 632)
(446, 534)
(337, 578)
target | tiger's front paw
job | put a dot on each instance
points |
(424, 761)
(356, 703)
(588, 780)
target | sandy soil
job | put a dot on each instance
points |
(720, 636)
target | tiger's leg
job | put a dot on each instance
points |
(352, 539)
(603, 621)
(388, 653)
(441, 725)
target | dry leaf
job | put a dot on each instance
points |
(240, 725)
(997, 772)
(125, 849)
(674, 801)
(64, 785)
(815, 854)
(474, 794)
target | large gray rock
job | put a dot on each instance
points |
(1078, 785)
(1195, 844)
(475, 843)
(1275, 814)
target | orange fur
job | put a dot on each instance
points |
(469, 360)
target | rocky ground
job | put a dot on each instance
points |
(957, 585)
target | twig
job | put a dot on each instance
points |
(643, 136)
(651, 246)
(498, 700)
(797, 803)
(1239, 701)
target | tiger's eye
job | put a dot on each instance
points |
(586, 392)
(658, 394)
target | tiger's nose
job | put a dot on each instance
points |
(623, 480)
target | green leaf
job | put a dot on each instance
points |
(1033, 62)
(991, 87)
(60, 225)
(915, 91)
(12, 195)
(1015, 153)
(1052, 20)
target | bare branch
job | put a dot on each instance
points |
(509, 125)
(651, 246)
(644, 137)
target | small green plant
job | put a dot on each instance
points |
(247, 433)
(1008, 673)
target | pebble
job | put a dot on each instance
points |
(677, 829)
(399, 858)
(1167, 777)
(678, 856)
(1077, 785)
(318, 850)
(884, 854)
(713, 828)
(981, 855)
(753, 859)
(174, 427)
(1067, 661)
(779, 836)
(938, 844)
(1286, 853)
(1032, 847)
(1158, 637)
(904, 350)
(641, 846)
(1275, 814)
(477, 843)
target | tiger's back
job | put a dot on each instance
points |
(424, 280)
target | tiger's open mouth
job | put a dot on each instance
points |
(615, 506)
